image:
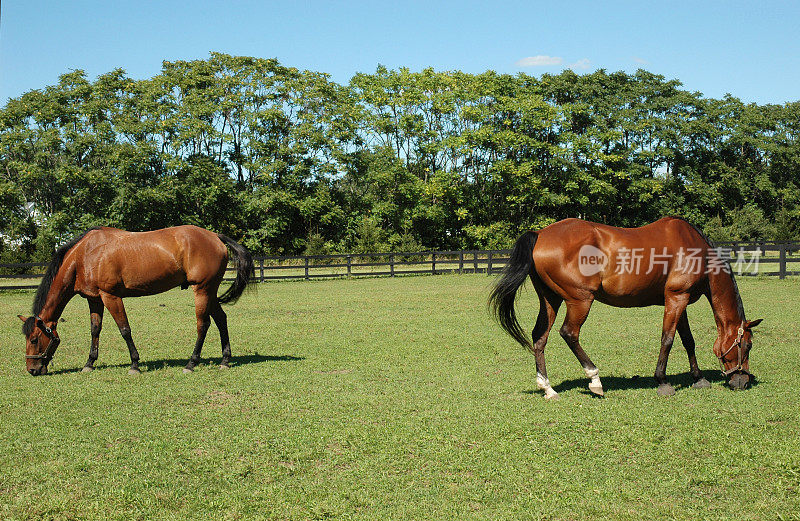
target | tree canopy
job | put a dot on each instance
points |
(289, 161)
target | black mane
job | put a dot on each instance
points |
(52, 269)
(739, 303)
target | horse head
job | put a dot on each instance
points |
(733, 351)
(41, 342)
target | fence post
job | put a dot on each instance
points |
(782, 265)
(261, 268)
(349, 266)
(475, 258)
(391, 265)
(461, 262)
(433, 263)
(740, 256)
(306, 263)
(489, 265)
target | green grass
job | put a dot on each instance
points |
(395, 399)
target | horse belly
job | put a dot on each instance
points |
(137, 285)
(630, 301)
(147, 273)
(631, 292)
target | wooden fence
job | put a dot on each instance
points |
(769, 258)
(775, 258)
(379, 264)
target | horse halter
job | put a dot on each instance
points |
(51, 348)
(739, 362)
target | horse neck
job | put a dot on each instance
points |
(62, 289)
(725, 300)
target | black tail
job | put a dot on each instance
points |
(244, 267)
(519, 267)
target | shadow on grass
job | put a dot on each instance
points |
(154, 365)
(611, 382)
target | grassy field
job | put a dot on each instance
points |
(395, 399)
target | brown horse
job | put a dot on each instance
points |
(104, 265)
(668, 263)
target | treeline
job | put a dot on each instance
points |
(289, 161)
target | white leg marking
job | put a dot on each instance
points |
(595, 385)
(544, 384)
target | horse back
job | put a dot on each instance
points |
(144, 263)
(625, 267)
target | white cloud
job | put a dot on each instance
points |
(581, 64)
(540, 60)
(641, 61)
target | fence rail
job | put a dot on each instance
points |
(378, 264)
(774, 258)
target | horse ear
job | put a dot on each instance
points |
(22, 318)
(754, 323)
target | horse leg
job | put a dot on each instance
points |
(674, 307)
(577, 311)
(96, 320)
(201, 309)
(548, 309)
(221, 320)
(117, 310)
(688, 343)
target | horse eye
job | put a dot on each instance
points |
(34, 340)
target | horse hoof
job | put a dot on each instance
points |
(224, 366)
(701, 384)
(87, 369)
(186, 370)
(666, 390)
(134, 372)
(552, 396)
(597, 389)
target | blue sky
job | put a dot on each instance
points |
(748, 49)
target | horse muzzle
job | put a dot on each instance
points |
(40, 370)
(740, 380)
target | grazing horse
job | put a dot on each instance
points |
(104, 265)
(668, 263)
